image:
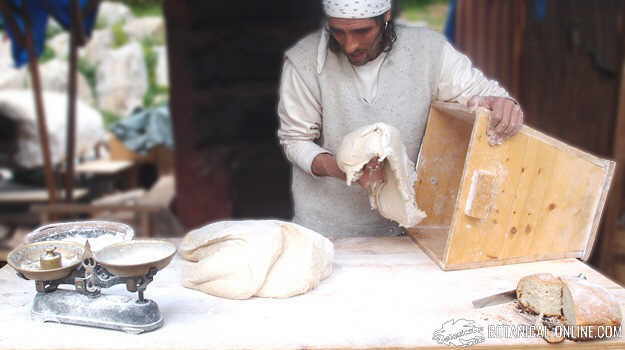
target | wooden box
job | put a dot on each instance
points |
(531, 198)
(160, 155)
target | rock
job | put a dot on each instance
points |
(54, 77)
(10, 77)
(122, 79)
(18, 106)
(13, 78)
(60, 45)
(145, 27)
(99, 44)
(162, 70)
(111, 13)
(6, 58)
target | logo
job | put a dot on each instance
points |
(459, 333)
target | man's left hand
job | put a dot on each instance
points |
(506, 119)
(372, 174)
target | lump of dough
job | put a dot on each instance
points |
(395, 198)
(194, 243)
(267, 258)
(233, 258)
(306, 260)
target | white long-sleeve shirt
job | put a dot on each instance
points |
(301, 114)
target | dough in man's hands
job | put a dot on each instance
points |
(395, 198)
(267, 258)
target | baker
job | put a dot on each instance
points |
(358, 69)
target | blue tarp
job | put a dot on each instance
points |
(540, 9)
(145, 129)
(450, 25)
(38, 11)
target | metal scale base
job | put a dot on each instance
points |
(118, 312)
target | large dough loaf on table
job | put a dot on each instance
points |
(584, 307)
(306, 260)
(267, 258)
(233, 257)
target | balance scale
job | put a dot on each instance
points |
(55, 263)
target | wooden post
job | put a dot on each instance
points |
(610, 229)
(76, 38)
(42, 126)
(33, 65)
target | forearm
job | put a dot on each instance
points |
(301, 153)
(460, 81)
(324, 164)
(300, 120)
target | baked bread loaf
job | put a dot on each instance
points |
(541, 293)
(589, 309)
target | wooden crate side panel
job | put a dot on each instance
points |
(432, 240)
(602, 205)
(521, 260)
(547, 199)
(440, 165)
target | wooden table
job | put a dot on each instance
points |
(31, 195)
(107, 167)
(103, 167)
(384, 292)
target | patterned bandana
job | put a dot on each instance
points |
(355, 8)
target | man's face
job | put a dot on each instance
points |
(359, 38)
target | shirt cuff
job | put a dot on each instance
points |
(303, 153)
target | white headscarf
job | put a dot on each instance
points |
(347, 9)
(355, 8)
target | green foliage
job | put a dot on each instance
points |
(47, 55)
(142, 8)
(432, 12)
(53, 31)
(151, 58)
(100, 23)
(109, 118)
(120, 38)
(419, 4)
(88, 70)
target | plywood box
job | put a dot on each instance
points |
(531, 198)
(160, 155)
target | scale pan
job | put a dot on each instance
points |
(26, 259)
(99, 233)
(135, 258)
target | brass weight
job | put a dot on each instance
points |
(50, 259)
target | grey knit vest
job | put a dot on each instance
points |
(407, 83)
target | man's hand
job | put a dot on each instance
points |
(506, 119)
(325, 165)
(372, 174)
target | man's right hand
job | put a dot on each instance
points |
(325, 165)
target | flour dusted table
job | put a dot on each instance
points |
(384, 293)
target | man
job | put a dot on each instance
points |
(360, 69)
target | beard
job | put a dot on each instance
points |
(363, 56)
